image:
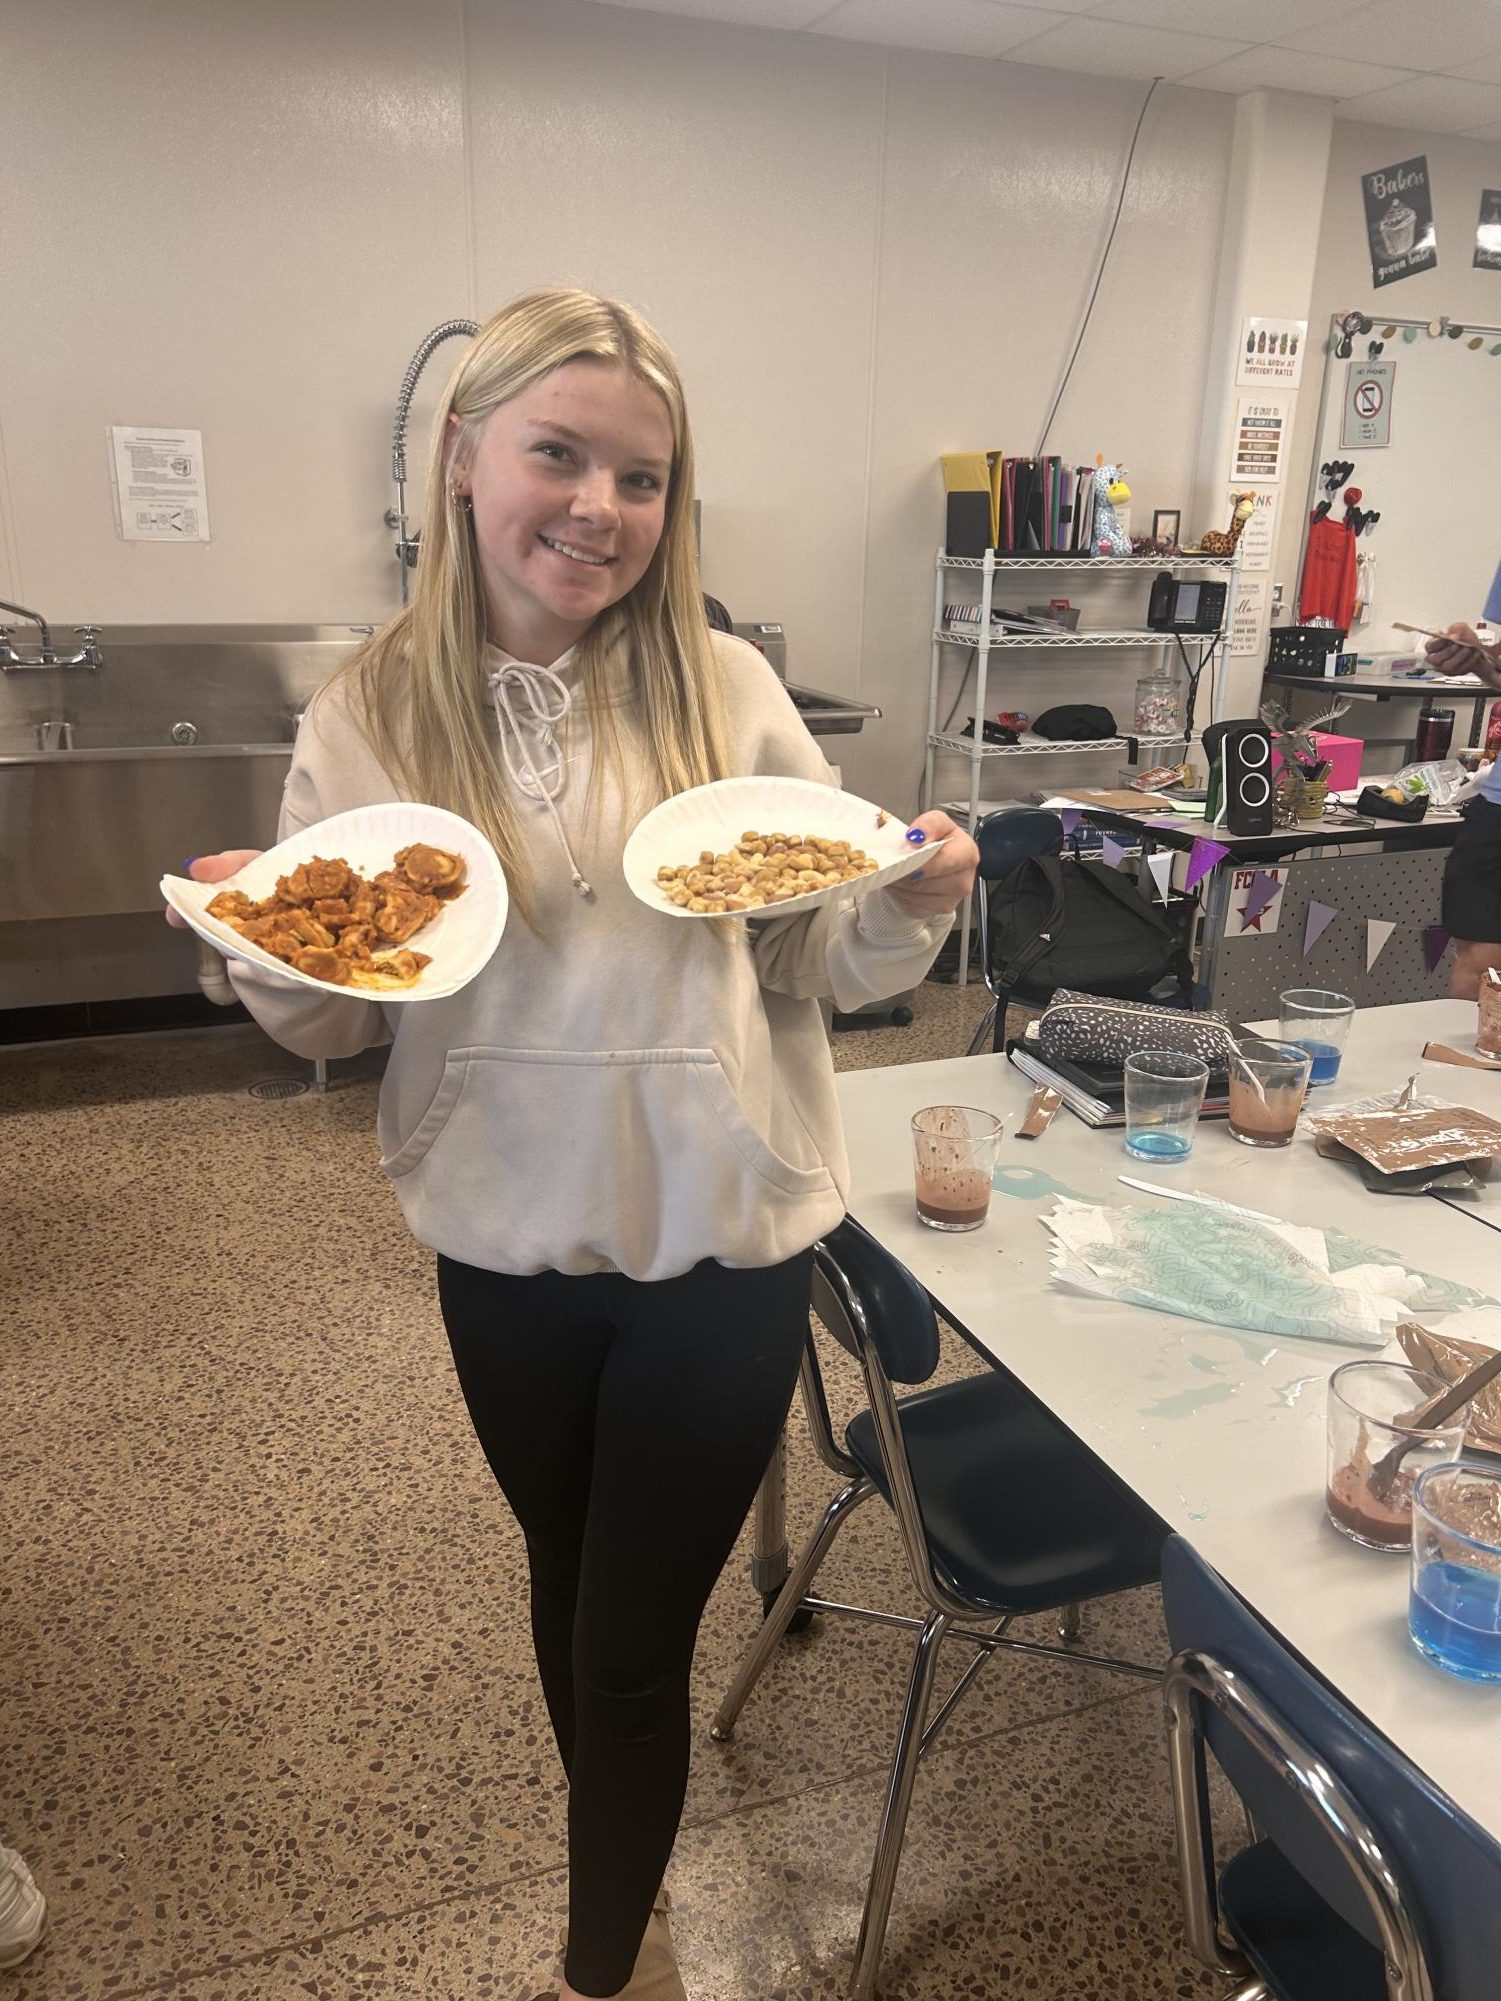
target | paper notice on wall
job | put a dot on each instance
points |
(1271, 351)
(1367, 409)
(1247, 618)
(1257, 535)
(161, 493)
(1261, 426)
(1255, 902)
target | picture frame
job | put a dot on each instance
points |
(1167, 525)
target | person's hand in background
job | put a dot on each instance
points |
(214, 868)
(1462, 651)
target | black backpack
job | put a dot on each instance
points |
(1056, 923)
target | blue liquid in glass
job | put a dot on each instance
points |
(1156, 1144)
(1325, 1056)
(1454, 1615)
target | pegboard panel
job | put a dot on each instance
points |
(1404, 887)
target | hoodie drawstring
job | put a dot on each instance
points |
(531, 704)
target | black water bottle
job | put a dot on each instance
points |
(1435, 731)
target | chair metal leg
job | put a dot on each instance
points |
(981, 1035)
(1070, 1625)
(768, 1563)
(1254, 1989)
(894, 1813)
(320, 1073)
(789, 1598)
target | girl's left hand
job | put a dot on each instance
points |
(944, 883)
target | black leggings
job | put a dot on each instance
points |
(628, 1425)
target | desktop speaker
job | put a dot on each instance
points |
(1240, 790)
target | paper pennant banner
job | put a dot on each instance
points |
(1203, 856)
(1070, 817)
(1320, 917)
(1162, 871)
(1377, 931)
(1112, 851)
(1435, 944)
(1263, 889)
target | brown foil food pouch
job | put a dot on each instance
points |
(1449, 1359)
(1395, 1141)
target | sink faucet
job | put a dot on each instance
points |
(396, 517)
(88, 655)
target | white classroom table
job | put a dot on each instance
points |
(1220, 1431)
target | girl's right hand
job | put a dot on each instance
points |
(214, 868)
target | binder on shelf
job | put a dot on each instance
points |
(966, 480)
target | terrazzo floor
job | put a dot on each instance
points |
(269, 1726)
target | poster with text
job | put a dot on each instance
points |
(1255, 902)
(1261, 428)
(1271, 352)
(1257, 535)
(1488, 231)
(1247, 634)
(160, 489)
(1366, 421)
(1399, 220)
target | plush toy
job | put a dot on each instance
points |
(1110, 538)
(1215, 543)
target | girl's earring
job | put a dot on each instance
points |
(461, 498)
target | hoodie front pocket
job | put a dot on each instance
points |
(635, 1158)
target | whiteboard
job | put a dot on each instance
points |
(1438, 542)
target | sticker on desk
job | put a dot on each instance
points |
(1255, 902)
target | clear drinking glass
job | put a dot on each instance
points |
(954, 1150)
(1268, 1083)
(1164, 1092)
(1454, 1606)
(1319, 1021)
(1368, 1403)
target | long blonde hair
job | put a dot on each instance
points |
(421, 678)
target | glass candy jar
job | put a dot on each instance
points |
(1159, 708)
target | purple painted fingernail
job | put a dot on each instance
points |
(917, 875)
(187, 865)
(916, 836)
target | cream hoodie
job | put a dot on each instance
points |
(618, 1090)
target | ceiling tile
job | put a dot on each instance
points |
(1486, 70)
(957, 27)
(1483, 132)
(748, 13)
(1120, 48)
(1264, 21)
(1436, 35)
(1286, 69)
(1426, 103)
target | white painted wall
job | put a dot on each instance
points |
(863, 257)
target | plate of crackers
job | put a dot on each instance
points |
(398, 902)
(746, 847)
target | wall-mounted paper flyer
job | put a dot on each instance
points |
(1271, 351)
(161, 491)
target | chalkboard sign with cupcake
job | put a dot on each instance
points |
(1399, 220)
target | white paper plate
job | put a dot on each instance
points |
(460, 940)
(715, 816)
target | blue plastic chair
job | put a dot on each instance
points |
(1000, 1509)
(1005, 841)
(1367, 1883)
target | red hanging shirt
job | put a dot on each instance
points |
(1328, 589)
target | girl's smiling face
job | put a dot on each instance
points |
(569, 486)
